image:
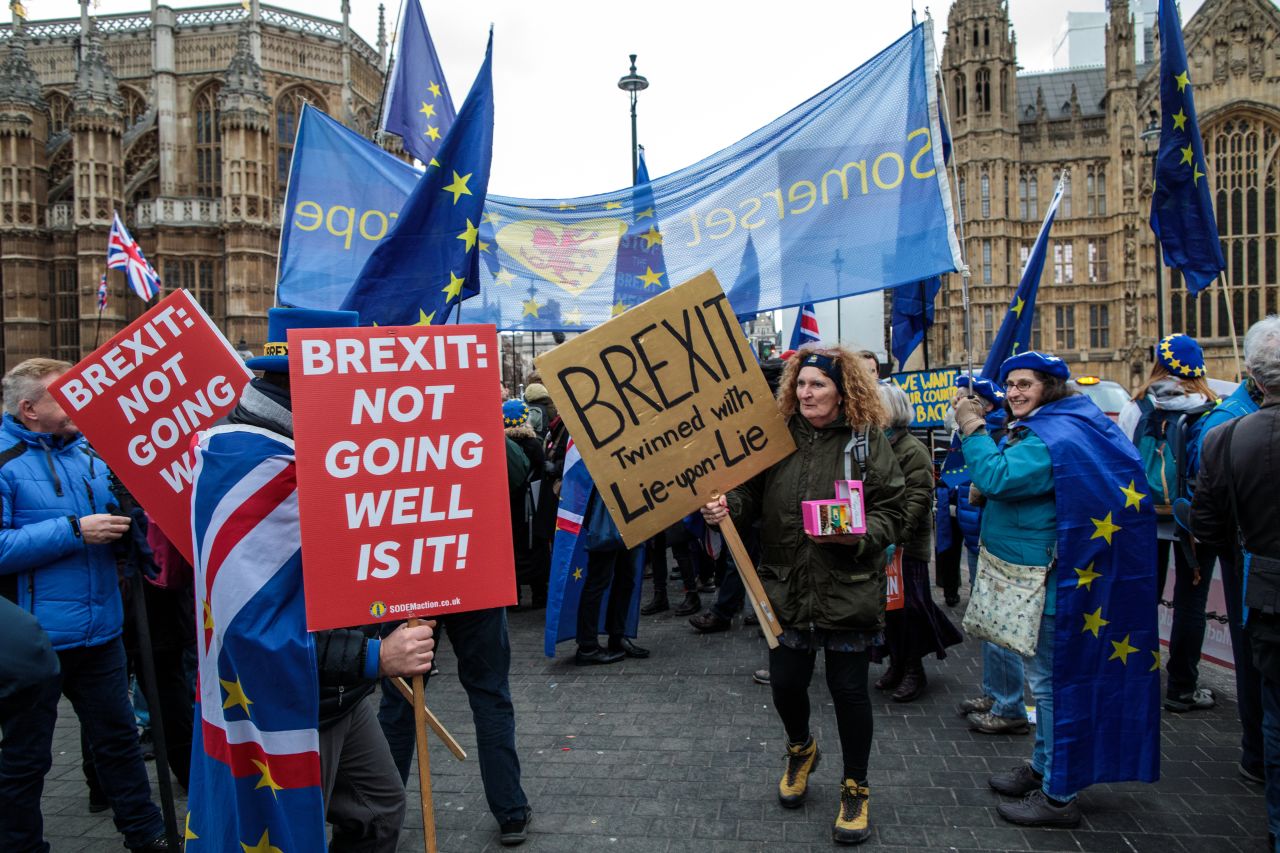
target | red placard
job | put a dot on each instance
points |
(139, 397)
(402, 472)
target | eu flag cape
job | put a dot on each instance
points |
(1106, 654)
(255, 760)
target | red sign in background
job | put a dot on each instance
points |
(402, 472)
(139, 397)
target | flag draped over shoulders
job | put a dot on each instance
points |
(255, 769)
(1106, 671)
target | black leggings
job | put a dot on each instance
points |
(790, 672)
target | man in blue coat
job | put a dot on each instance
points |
(57, 563)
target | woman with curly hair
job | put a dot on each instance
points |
(827, 591)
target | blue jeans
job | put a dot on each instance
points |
(1271, 746)
(483, 652)
(1002, 670)
(1040, 677)
(95, 681)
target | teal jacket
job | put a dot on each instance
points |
(1020, 521)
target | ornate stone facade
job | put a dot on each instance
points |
(183, 121)
(1014, 134)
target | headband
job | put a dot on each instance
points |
(827, 364)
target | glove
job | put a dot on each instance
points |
(970, 415)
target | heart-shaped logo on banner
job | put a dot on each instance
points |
(569, 255)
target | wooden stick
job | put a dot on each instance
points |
(432, 721)
(769, 625)
(424, 760)
(1231, 320)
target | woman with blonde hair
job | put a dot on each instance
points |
(828, 591)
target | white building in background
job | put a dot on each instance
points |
(1082, 38)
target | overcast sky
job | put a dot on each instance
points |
(717, 70)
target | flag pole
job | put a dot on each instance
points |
(1235, 342)
(424, 759)
(964, 265)
(97, 328)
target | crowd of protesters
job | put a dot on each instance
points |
(72, 555)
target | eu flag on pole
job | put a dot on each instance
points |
(1015, 331)
(430, 260)
(912, 315)
(418, 105)
(640, 271)
(1181, 206)
(806, 328)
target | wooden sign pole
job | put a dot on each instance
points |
(424, 760)
(769, 625)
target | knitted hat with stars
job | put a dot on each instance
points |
(514, 413)
(1182, 356)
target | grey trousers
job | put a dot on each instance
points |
(363, 796)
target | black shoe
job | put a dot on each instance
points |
(913, 684)
(98, 802)
(709, 623)
(1036, 809)
(977, 705)
(156, 845)
(513, 832)
(595, 656)
(1018, 782)
(991, 724)
(691, 605)
(891, 679)
(952, 600)
(627, 648)
(658, 604)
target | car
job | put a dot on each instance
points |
(1107, 395)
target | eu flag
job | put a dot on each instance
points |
(640, 271)
(1106, 645)
(912, 315)
(430, 260)
(1015, 330)
(1181, 207)
(418, 106)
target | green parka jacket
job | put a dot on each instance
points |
(830, 586)
(916, 538)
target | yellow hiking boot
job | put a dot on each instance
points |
(852, 825)
(801, 761)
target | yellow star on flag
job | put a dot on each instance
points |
(1196, 175)
(1103, 528)
(1187, 154)
(531, 307)
(434, 162)
(187, 834)
(1132, 497)
(263, 845)
(647, 213)
(577, 574)
(612, 205)
(574, 317)
(651, 278)
(1093, 621)
(1122, 650)
(434, 89)
(617, 309)
(1182, 80)
(208, 616)
(1179, 120)
(491, 218)
(484, 247)
(1155, 667)
(454, 288)
(1085, 577)
(428, 110)
(266, 781)
(458, 187)
(504, 277)
(470, 235)
(432, 132)
(424, 319)
(235, 695)
(1018, 305)
(652, 238)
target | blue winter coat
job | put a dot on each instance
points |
(70, 586)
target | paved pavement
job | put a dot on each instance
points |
(682, 752)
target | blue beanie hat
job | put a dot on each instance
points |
(1050, 364)
(514, 413)
(983, 388)
(1182, 356)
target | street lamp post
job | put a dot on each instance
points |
(634, 83)
(1152, 132)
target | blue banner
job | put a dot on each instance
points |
(856, 169)
(929, 392)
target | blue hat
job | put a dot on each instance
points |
(982, 387)
(1049, 364)
(514, 413)
(1182, 356)
(275, 353)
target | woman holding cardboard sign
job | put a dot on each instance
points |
(828, 591)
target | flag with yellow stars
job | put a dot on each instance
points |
(255, 762)
(418, 107)
(1181, 204)
(1014, 335)
(640, 271)
(430, 261)
(1106, 688)
(569, 560)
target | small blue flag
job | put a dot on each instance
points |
(744, 296)
(1181, 206)
(806, 328)
(430, 260)
(1015, 331)
(641, 270)
(912, 315)
(418, 105)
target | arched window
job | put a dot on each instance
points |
(982, 91)
(59, 112)
(984, 186)
(135, 105)
(288, 111)
(962, 95)
(208, 143)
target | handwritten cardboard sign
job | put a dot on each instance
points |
(930, 393)
(667, 406)
(402, 472)
(139, 397)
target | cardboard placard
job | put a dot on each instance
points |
(141, 396)
(930, 393)
(667, 406)
(402, 472)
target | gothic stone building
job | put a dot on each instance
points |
(1016, 133)
(183, 121)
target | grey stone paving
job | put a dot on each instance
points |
(682, 752)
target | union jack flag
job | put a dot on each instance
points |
(255, 764)
(123, 253)
(102, 293)
(806, 329)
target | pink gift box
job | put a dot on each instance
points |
(845, 514)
